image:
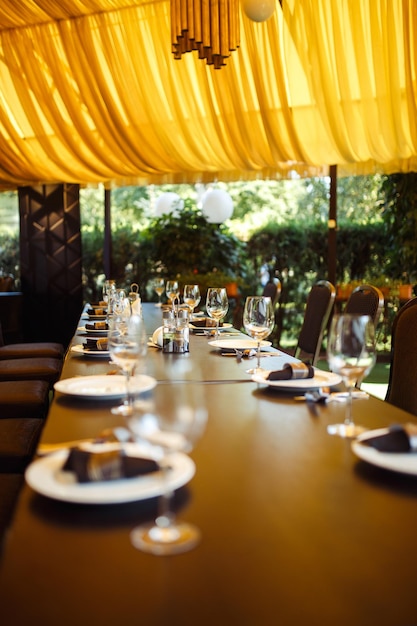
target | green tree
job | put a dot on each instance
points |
(400, 215)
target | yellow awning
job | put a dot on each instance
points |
(90, 92)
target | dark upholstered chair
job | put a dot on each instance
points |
(24, 398)
(43, 349)
(19, 439)
(366, 300)
(402, 388)
(320, 302)
(45, 369)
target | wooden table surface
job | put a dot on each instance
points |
(295, 529)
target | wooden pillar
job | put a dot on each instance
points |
(107, 255)
(332, 226)
(50, 261)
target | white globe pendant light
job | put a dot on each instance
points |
(167, 203)
(217, 206)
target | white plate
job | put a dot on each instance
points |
(96, 318)
(79, 349)
(45, 477)
(238, 344)
(320, 379)
(403, 462)
(209, 327)
(103, 387)
(90, 331)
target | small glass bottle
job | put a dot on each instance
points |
(168, 331)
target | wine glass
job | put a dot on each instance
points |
(217, 305)
(173, 291)
(258, 321)
(172, 425)
(350, 353)
(107, 287)
(127, 341)
(158, 285)
(192, 297)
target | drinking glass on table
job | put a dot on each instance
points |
(217, 305)
(171, 425)
(350, 353)
(158, 285)
(192, 297)
(258, 321)
(173, 291)
(127, 342)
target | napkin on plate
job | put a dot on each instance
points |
(157, 337)
(108, 465)
(292, 371)
(205, 322)
(398, 438)
(97, 326)
(97, 311)
(96, 344)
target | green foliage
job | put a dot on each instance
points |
(9, 254)
(400, 215)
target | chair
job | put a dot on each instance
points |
(43, 349)
(402, 390)
(319, 305)
(366, 300)
(272, 289)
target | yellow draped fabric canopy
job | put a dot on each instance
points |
(90, 92)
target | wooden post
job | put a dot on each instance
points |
(332, 226)
(107, 255)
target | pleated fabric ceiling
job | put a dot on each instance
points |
(90, 92)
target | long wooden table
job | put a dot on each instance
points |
(295, 529)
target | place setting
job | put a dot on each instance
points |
(107, 473)
(92, 347)
(393, 448)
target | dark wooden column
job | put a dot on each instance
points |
(107, 256)
(332, 226)
(50, 261)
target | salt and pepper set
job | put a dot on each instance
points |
(175, 331)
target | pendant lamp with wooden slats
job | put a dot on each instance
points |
(209, 26)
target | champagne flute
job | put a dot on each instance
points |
(173, 291)
(159, 287)
(258, 321)
(127, 341)
(192, 297)
(172, 425)
(350, 353)
(217, 305)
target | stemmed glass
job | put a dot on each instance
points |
(171, 426)
(192, 297)
(158, 286)
(350, 353)
(258, 321)
(127, 342)
(107, 287)
(173, 292)
(217, 304)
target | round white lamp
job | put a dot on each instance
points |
(258, 10)
(168, 202)
(217, 206)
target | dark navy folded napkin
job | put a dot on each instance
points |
(292, 371)
(397, 438)
(108, 465)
